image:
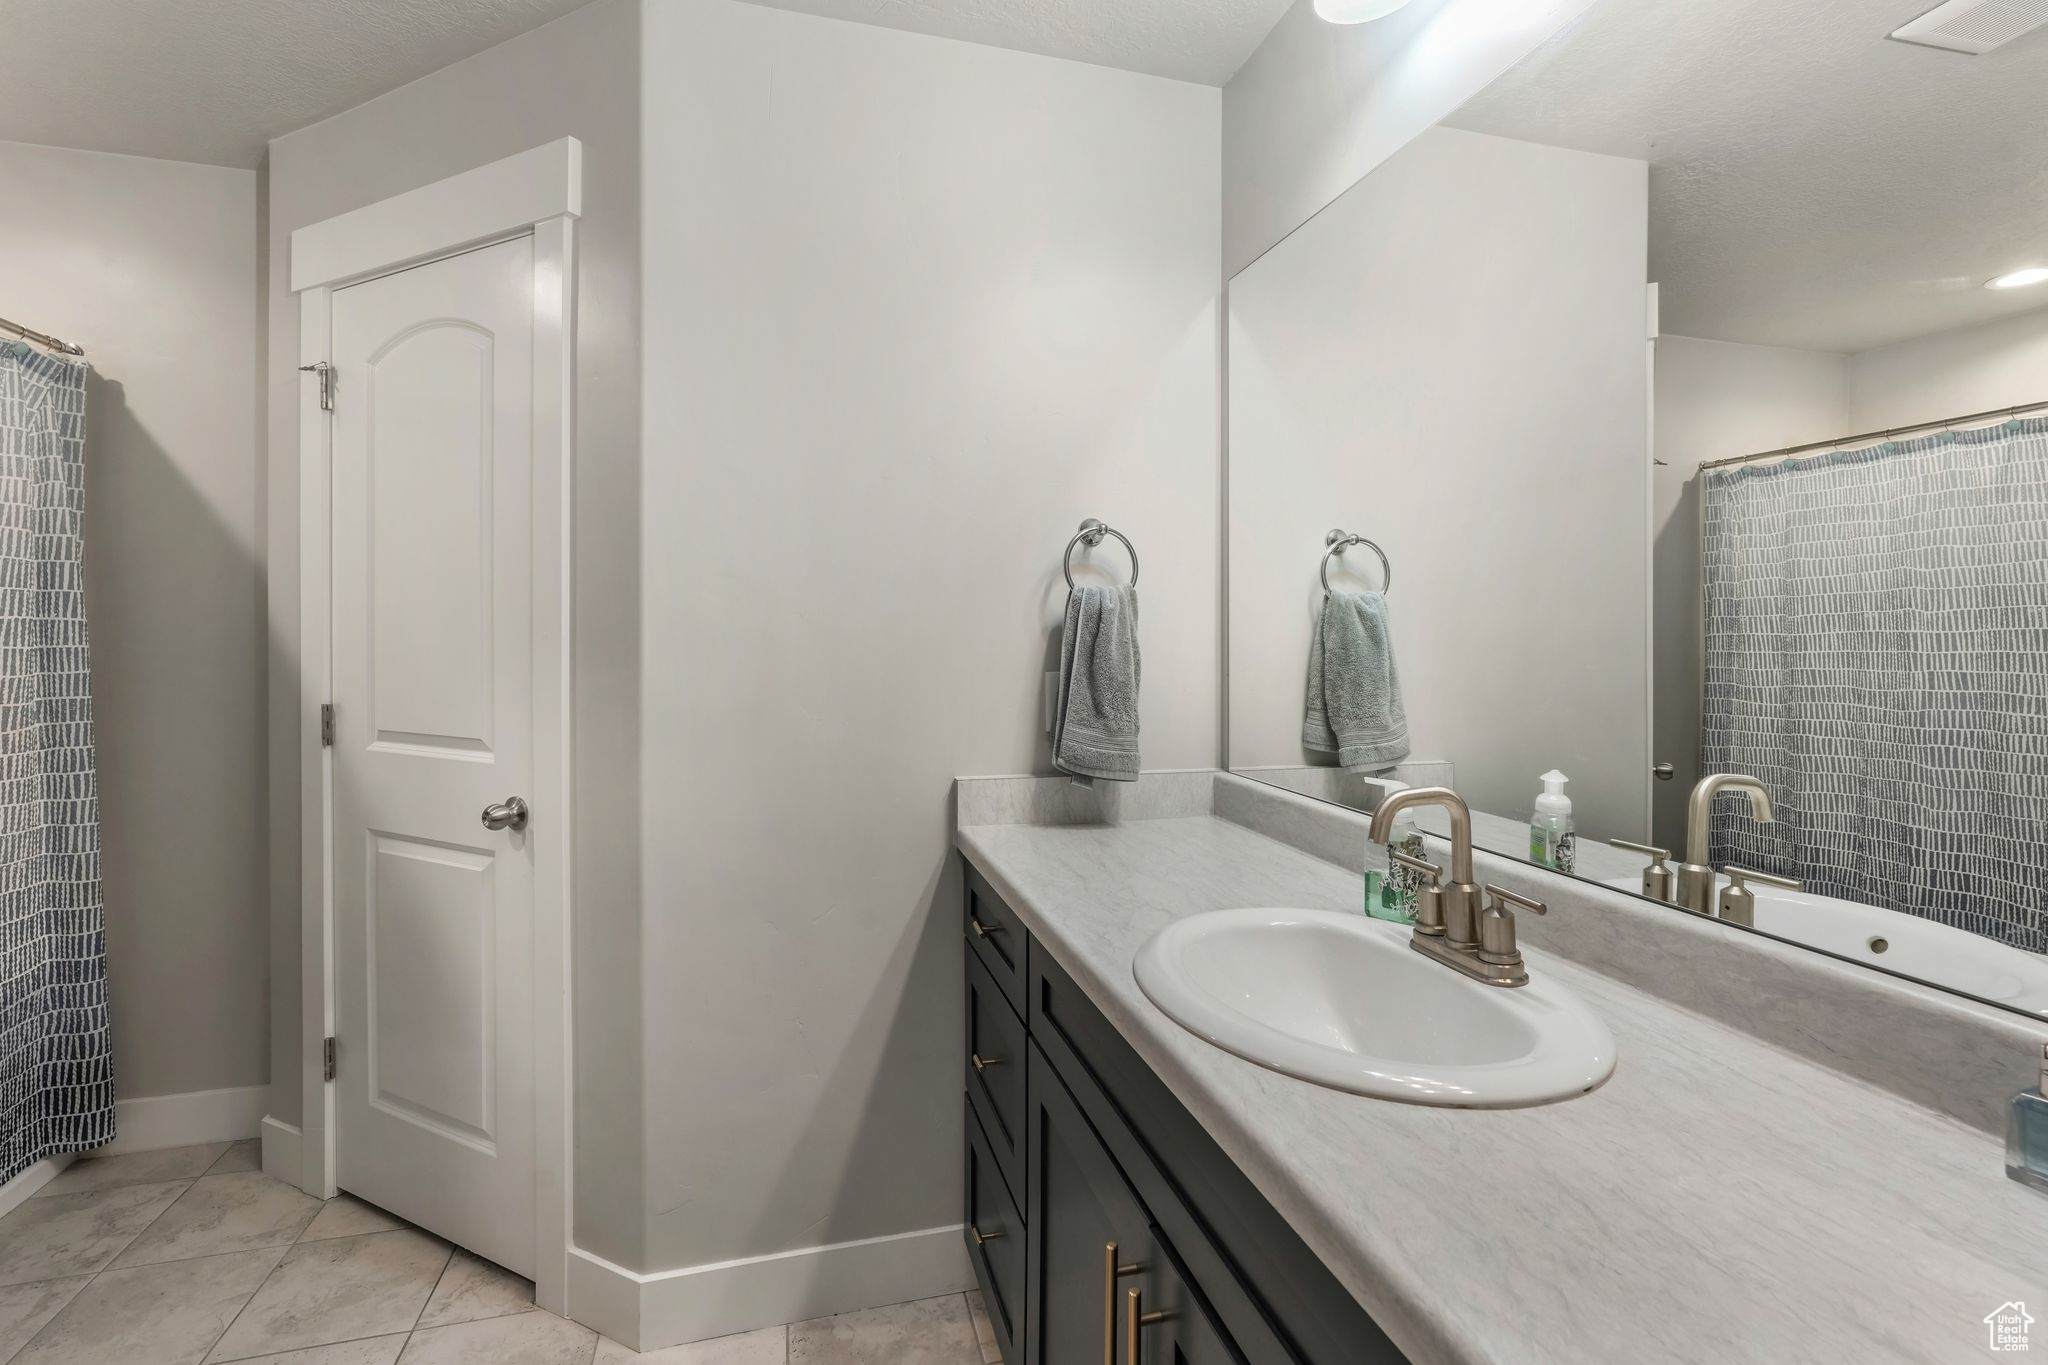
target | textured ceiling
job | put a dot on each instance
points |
(213, 80)
(1812, 183)
(1205, 41)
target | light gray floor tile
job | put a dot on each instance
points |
(984, 1330)
(77, 1234)
(472, 1289)
(347, 1216)
(534, 1338)
(770, 1346)
(241, 1156)
(134, 1168)
(928, 1332)
(339, 1290)
(223, 1213)
(24, 1308)
(152, 1315)
(376, 1351)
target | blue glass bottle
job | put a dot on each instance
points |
(2026, 1133)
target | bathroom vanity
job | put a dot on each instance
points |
(1099, 1207)
(1725, 1196)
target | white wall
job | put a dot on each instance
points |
(1715, 400)
(578, 76)
(1450, 361)
(1951, 374)
(918, 307)
(151, 266)
(1318, 105)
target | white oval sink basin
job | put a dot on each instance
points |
(1342, 1000)
(1898, 942)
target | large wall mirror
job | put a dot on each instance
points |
(1677, 408)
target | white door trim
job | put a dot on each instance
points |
(538, 191)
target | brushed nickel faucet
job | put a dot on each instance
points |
(1695, 883)
(1450, 926)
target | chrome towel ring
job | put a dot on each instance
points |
(1340, 541)
(1092, 532)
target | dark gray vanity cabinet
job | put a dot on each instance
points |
(1088, 1182)
(1097, 1265)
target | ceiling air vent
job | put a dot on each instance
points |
(1975, 26)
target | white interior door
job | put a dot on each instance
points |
(432, 684)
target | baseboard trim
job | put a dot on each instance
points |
(17, 1191)
(650, 1312)
(281, 1150)
(158, 1121)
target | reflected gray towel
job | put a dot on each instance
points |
(1354, 691)
(1096, 732)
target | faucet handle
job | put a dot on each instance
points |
(1429, 897)
(1429, 870)
(1502, 898)
(1656, 877)
(1497, 946)
(1738, 903)
(1738, 875)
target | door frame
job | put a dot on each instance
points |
(537, 193)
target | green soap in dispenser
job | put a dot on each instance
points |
(1391, 895)
(1553, 840)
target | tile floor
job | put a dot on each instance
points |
(193, 1256)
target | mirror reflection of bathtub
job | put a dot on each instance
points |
(1907, 944)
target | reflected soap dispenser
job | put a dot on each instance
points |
(1553, 839)
(2026, 1133)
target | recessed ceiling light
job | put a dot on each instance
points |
(2020, 279)
(1356, 11)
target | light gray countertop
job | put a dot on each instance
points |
(1718, 1200)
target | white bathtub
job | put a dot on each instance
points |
(1900, 943)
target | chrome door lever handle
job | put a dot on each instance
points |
(510, 813)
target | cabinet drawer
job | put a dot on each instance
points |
(995, 1072)
(997, 937)
(995, 1242)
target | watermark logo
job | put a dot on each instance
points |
(2008, 1324)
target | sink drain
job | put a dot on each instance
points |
(1878, 945)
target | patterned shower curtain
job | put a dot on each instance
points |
(1877, 653)
(56, 1065)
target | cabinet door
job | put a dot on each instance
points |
(1174, 1325)
(1085, 1226)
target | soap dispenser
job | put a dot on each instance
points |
(1553, 841)
(2026, 1133)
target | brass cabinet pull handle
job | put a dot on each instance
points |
(1136, 1320)
(982, 1063)
(983, 1238)
(1111, 1273)
(982, 930)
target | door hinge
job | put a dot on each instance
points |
(327, 1058)
(325, 373)
(327, 725)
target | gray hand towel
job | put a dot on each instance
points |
(1096, 734)
(1354, 691)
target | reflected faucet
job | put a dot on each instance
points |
(1695, 883)
(1449, 925)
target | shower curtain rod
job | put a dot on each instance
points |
(40, 338)
(1841, 441)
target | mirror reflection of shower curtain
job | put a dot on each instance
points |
(1877, 653)
(56, 1064)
